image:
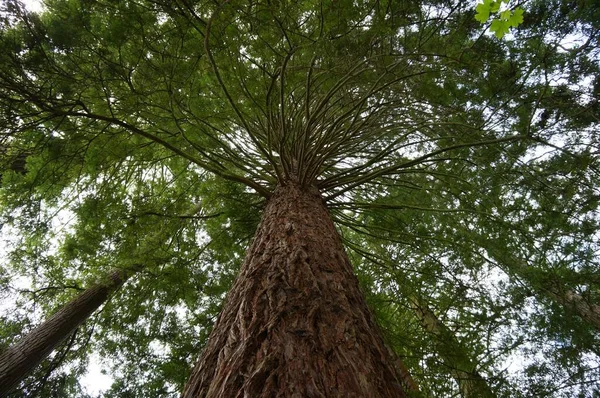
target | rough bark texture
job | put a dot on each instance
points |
(453, 353)
(295, 323)
(19, 360)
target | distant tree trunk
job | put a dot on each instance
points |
(20, 359)
(453, 353)
(549, 286)
(589, 312)
(295, 323)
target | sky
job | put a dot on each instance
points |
(33, 5)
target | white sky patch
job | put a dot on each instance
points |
(34, 5)
(95, 381)
(570, 42)
(162, 18)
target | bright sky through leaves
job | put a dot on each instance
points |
(460, 166)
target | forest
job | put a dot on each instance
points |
(314, 198)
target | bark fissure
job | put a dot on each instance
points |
(295, 322)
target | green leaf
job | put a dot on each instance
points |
(495, 6)
(516, 18)
(505, 19)
(505, 15)
(499, 27)
(483, 12)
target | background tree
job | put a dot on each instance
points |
(458, 168)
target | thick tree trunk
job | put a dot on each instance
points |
(18, 361)
(295, 323)
(453, 353)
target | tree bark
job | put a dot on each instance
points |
(453, 353)
(20, 359)
(295, 323)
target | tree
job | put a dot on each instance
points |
(295, 322)
(18, 360)
(437, 149)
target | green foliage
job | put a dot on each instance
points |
(461, 170)
(505, 19)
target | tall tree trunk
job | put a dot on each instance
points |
(453, 353)
(295, 323)
(18, 361)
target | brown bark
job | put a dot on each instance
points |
(20, 359)
(453, 353)
(295, 323)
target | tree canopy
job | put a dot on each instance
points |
(460, 169)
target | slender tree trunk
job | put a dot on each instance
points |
(589, 312)
(453, 353)
(17, 361)
(550, 287)
(20, 359)
(295, 323)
